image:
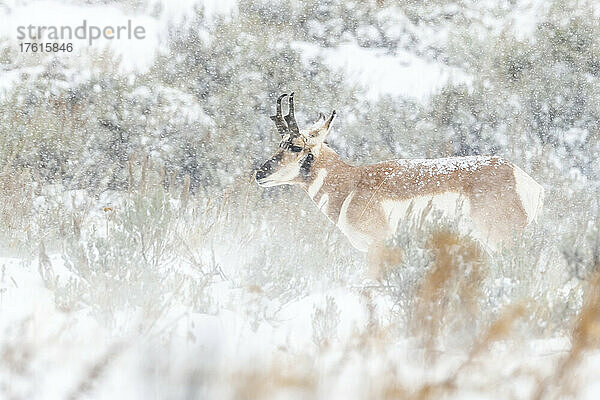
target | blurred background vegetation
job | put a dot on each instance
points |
(201, 111)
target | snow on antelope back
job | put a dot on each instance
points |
(368, 202)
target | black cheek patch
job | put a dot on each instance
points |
(307, 164)
(266, 169)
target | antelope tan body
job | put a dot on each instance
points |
(368, 202)
(491, 195)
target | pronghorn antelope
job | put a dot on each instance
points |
(368, 202)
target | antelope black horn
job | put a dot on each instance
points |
(291, 119)
(278, 118)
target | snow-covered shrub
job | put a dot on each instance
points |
(529, 93)
(325, 323)
(438, 286)
(17, 193)
(447, 286)
(131, 260)
(83, 130)
(283, 256)
(385, 129)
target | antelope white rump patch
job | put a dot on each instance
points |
(530, 193)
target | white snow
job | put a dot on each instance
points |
(450, 164)
(379, 73)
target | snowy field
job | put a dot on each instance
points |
(138, 260)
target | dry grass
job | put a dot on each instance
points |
(585, 336)
(279, 380)
(95, 372)
(451, 288)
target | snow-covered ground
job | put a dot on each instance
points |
(403, 74)
(336, 340)
(52, 354)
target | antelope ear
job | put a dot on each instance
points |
(319, 134)
(320, 120)
(315, 126)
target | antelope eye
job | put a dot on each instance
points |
(295, 149)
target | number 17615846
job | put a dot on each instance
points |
(47, 47)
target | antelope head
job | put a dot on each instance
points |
(297, 149)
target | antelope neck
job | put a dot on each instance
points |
(329, 182)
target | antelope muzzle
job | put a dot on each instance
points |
(270, 166)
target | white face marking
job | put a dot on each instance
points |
(359, 240)
(450, 204)
(316, 185)
(530, 193)
(282, 176)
